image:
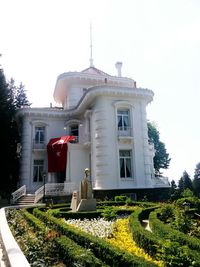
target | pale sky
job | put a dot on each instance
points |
(158, 42)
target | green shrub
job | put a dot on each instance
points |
(167, 213)
(164, 231)
(193, 202)
(69, 251)
(109, 213)
(142, 237)
(172, 254)
(74, 254)
(182, 222)
(121, 198)
(109, 254)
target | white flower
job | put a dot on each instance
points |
(97, 227)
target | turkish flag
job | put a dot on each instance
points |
(57, 153)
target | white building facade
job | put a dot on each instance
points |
(107, 114)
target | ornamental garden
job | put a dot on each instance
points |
(116, 234)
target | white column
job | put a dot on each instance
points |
(25, 171)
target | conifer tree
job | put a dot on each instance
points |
(9, 136)
(20, 97)
(196, 180)
(185, 182)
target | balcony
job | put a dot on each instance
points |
(125, 135)
(75, 141)
(38, 145)
(124, 131)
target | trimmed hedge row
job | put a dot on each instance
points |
(101, 249)
(70, 252)
(167, 232)
(122, 203)
(67, 214)
(76, 215)
(154, 244)
(144, 239)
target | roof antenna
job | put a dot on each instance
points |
(91, 59)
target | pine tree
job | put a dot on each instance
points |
(185, 182)
(9, 136)
(161, 158)
(196, 180)
(173, 190)
(20, 97)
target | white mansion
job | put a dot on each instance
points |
(107, 116)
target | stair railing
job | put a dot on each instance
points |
(18, 193)
(39, 194)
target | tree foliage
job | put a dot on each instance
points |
(196, 180)
(161, 159)
(9, 102)
(185, 182)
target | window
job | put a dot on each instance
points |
(38, 168)
(123, 120)
(73, 130)
(39, 135)
(125, 158)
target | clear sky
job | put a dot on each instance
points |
(158, 42)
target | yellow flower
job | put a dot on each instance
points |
(122, 238)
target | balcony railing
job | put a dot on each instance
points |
(38, 144)
(76, 140)
(124, 131)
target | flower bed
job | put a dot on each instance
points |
(96, 227)
(108, 253)
(122, 238)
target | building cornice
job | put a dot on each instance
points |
(137, 93)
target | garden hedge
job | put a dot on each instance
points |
(155, 244)
(70, 252)
(142, 237)
(109, 254)
(167, 232)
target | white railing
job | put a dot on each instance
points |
(70, 187)
(53, 189)
(38, 145)
(161, 180)
(18, 193)
(39, 194)
(124, 131)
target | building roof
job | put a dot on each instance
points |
(93, 70)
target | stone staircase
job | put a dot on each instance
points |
(25, 200)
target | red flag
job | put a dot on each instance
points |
(57, 153)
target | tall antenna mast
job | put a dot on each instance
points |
(91, 59)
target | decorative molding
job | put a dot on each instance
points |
(122, 104)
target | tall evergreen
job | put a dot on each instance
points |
(196, 180)
(20, 97)
(185, 182)
(9, 136)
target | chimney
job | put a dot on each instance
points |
(118, 66)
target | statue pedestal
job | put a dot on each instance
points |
(74, 201)
(82, 200)
(87, 205)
